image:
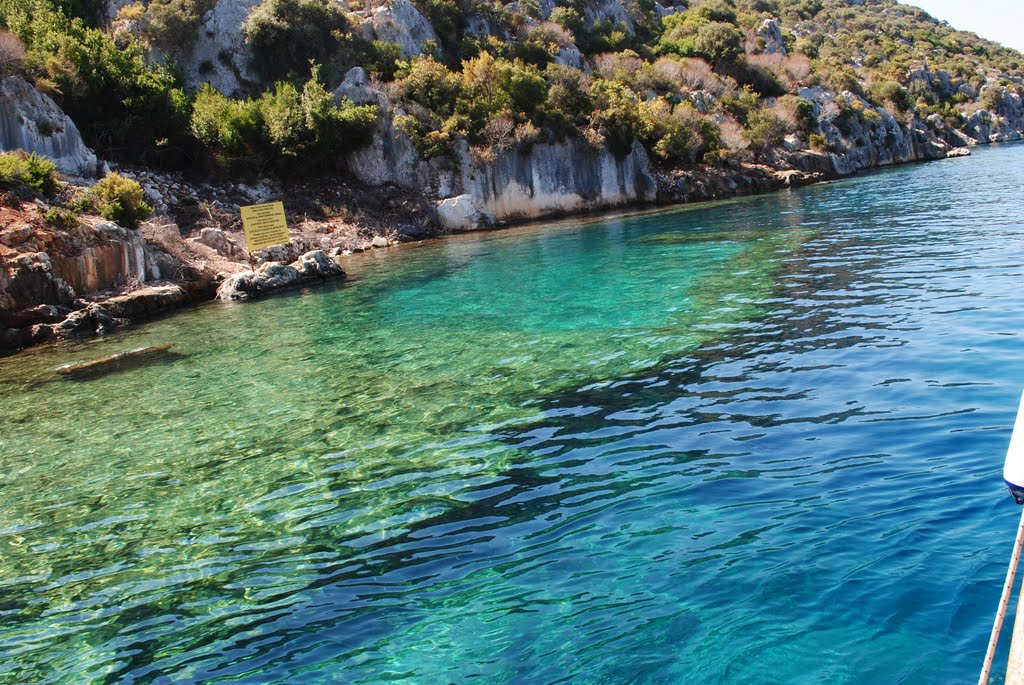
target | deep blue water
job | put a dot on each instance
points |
(756, 441)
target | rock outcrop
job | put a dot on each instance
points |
(312, 267)
(399, 22)
(220, 55)
(861, 136)
(770, 36)
(62, 288)
(460, 213)
(547, 179)
(31, 121)
(1005, 123)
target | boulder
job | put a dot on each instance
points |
(31, 121)
(93, 318)
(311, 267)
(219, 241)
(399, 22)
(16, 236)
(958, 152)
(459, 213)
(571, 56)
(40, 314)
(316, 265)
(30, 280)
(147, 302)
(356, 88)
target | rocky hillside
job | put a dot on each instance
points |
(502, 110)
(386, 120)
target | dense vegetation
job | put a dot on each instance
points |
(704, 82)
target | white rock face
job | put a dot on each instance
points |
(356, 87)
(548, 179)
(459, 213)
(391, 158)
(572, 57)
(771, 33)
(220, 56)
(399, 22)
(33, 122)
(608, 10)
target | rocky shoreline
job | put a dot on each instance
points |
(128, 277)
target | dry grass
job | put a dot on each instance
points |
(12, 53)
(731, 135)
(791, 70)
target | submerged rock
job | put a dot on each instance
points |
(309, 268)
(115, 362)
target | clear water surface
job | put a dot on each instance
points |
(755, 441)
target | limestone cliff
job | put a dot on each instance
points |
(31, 121)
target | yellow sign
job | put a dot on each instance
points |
(264, 225)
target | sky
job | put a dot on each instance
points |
(998, 20)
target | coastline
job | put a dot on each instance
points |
(106, 311)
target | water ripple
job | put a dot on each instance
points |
(752, 441)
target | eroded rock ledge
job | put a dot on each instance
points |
(312, 267)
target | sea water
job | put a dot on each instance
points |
(752, 441)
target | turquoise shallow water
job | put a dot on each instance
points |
(758, 441)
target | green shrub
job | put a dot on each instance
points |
(123, 106)
(992, 98)
(60, 218)
(285, 126)
(892, 92)
(286, 34)
(431, 84)
(232, 130)
(617, 116)
(378, 57)
(800, 111)
(32, 170)
(173, 24)
(675, 134)
(569, 19)
(764, 129)
(308, 125)
(449, 22)
(445, 105)
(739, 104)
(568, 104)
(716, 11)
(120, 200)
(817, 141)
(718, 43)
